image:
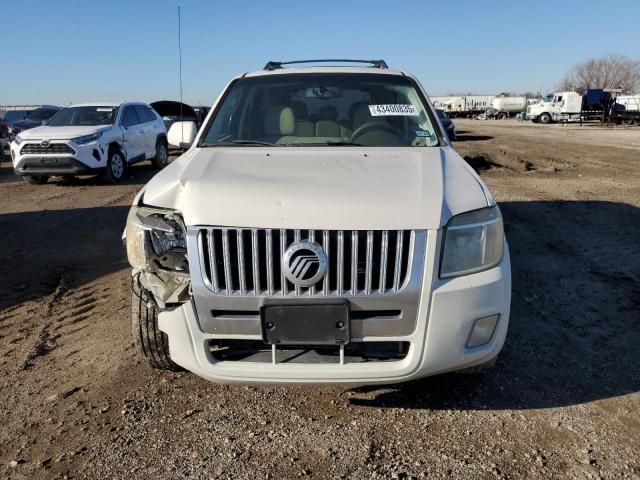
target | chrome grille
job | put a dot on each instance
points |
(243, 261)
(37, 148)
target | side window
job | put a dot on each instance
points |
(143, 117)
(151, 114)
(129, 117)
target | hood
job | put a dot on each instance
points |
(59, 133)
(26, 124)
(318, 188)
(169, 108)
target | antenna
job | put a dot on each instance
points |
(180, 73)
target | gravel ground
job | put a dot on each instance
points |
(562, 402)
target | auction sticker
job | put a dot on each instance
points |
(393, 110)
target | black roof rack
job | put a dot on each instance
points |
(374, 63)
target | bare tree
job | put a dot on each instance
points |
(613, 71)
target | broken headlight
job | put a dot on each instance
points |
(156, 240)
(473, 242)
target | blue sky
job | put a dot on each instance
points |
(74, 51)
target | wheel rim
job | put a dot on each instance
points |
(117, 166)
(162, 154)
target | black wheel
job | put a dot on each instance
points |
(162, 154)
(116, 167)
(501, 116)
(545, 118)
(35, 179)
(150, 341)
(67, 179)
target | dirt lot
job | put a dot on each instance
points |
(563, 401)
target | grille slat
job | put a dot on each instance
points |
(213, 267)
(327, 251)
(369, 265)
(269, 263)
(247, 262)
(354, 262)
(340, 268)
(227, 260)
(398, 266)
(241, 269)
(37, 148)
(383, 261)
(255, 255)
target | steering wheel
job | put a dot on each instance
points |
(375, 125)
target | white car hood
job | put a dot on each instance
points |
(59, 133)
(318, 187)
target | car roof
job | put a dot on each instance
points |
(106, 104)
(308, 70)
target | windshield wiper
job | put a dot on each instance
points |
(231, 143)
(340, 143)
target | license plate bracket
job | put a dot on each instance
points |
(306, 324)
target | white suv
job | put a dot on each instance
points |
(320, 229)
(91, 138)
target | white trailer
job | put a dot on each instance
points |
(631, 103)
(463, 105)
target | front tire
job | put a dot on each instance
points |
(35, 179)
(545, 118)
(150, 341)
(116, 167)
(162, 154)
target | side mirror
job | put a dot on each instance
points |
(44, 122)
(182, 134)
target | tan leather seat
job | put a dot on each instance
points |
(361, 115)
(304, 126)
(327, 125)
(279, 122)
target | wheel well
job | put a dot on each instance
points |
(163, 138)
(114, 146)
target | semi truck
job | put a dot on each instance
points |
(593, 104)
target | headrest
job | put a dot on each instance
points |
(299, 110)
(279, 120)
(353, 107)
(361, 115)
(328, 113)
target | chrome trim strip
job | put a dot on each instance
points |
(384, 251)
(241, 272)
(325, 246)
(255, 261)
(397, 266)
(354, 262)
(283, 246)
(369, 263)
(340, 264)
(213, 267)
(227, 259)
(269, 241)
(296, 238)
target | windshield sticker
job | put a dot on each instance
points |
(393, 110)
(423, 133)
(104, 109)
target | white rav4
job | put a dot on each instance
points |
(91, 138)
(320, 229)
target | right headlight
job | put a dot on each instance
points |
(156, 239)
(473, 241)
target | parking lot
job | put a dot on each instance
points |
(562, 402)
